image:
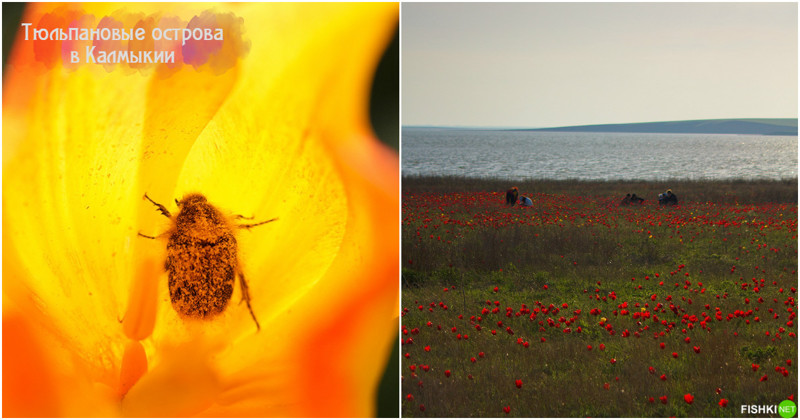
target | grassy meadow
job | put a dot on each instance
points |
(578, 306)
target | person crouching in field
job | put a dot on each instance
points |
(667, 198)
(525, 201)
(631, 199)
(511, 196)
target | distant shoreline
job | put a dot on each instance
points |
(741, 126)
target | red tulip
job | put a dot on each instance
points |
(447, 373)
(518, 382)
(688, 398)
(507, 409)
(723, 402)
(663, 399)
(675, 355)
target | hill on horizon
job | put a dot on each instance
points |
(754, 126)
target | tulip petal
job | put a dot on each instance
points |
(71, 223)
(28, 385)
(184, 383)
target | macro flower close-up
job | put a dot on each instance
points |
(264, 111)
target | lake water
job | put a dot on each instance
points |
(598, 156)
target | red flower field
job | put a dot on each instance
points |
(577, 306)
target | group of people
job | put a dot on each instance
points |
(513, 194)
(665, 199)
(631, 199)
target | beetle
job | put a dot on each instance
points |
(202, 258)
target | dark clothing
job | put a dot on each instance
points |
(672, 199)
(667, 199)
(511, 196)
(631, 199)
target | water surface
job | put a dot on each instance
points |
(597, 156)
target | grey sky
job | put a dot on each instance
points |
(553, 64)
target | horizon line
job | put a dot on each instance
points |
(515, 127)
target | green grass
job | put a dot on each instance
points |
(575, 246)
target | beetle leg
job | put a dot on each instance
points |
(239, 216)
(145, 236)
(246, 298)
(161, 208)
(248, 226)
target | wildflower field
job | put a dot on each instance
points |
(578, 306)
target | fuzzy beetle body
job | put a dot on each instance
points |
(202, 258)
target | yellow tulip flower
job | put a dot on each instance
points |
(270, 122)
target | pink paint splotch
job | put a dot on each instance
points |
(218, 54)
